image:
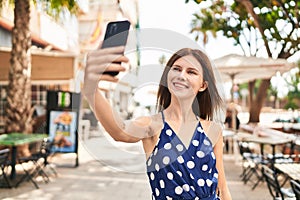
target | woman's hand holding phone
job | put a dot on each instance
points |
(102, 60)
(97, 62)
(116, 34)
(105, 63)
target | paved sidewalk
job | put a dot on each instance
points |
(111, 171)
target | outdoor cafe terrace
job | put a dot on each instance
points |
(252, 151)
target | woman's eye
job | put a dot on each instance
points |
(176, 69)
(192, 72)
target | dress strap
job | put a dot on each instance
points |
(198, 118)
(163, 116)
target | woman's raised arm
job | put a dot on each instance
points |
(97, 62)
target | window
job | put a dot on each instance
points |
(38, 97)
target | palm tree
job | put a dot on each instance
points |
(19, 110)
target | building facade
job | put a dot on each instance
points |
(58, 48)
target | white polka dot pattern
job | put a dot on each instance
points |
(213, 155)
(206, 142)
(208, 182)
(166, 160)
(177, 172)
(192, 177)
(157, 167)
(199, 129)
(195, 143)
(200, 154)
(178, 190)
(179, 147)
(152, 176)
(162, 184)
(204, 168)
(186, 187)
(168, 146)
(216, 175)
(157, 192)
(170, 176)
(169, 132)
(190, 164)
(201, 182)
(180, 159)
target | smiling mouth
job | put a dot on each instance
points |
(180, 85)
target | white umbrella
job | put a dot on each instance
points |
(239, 69)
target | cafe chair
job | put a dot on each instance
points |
(39, 161)
(274, 186)
(280, 158)
(4, 163)
(296, 188)
(250, 164)
(47, 153)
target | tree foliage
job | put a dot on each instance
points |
(260, 27)
(270, 27)
(293, 96)
(55, 7)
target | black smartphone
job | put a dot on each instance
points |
(116, 34)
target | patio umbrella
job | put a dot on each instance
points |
(240, 69)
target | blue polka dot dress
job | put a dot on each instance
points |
(179, 172)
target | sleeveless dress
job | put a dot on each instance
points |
(179, 172)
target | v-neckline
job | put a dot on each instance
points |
(192, 138)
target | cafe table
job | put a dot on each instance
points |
(292, 170)
(228, 138)
(14, 140)
(272, 141)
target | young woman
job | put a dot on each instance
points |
(183, 146)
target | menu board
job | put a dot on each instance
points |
(62, 130)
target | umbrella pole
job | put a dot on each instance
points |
(232, 76)
(234, 113)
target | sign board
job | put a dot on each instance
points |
(62, 121)
(62, 130)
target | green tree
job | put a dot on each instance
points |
(19, 110)
(269, 27)
(293, 96)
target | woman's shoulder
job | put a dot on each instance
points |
(152, 123)
(213, 130)
(149, 120)
(208, 124)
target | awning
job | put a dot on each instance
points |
(45, 65)
(8, 25)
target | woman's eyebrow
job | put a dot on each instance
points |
(193, 68)
(176, 65)
(189, 68)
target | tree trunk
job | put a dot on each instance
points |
(19, 110)
(256, 102)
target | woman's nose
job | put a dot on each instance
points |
(182, 74)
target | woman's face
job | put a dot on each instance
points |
(185, 78)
